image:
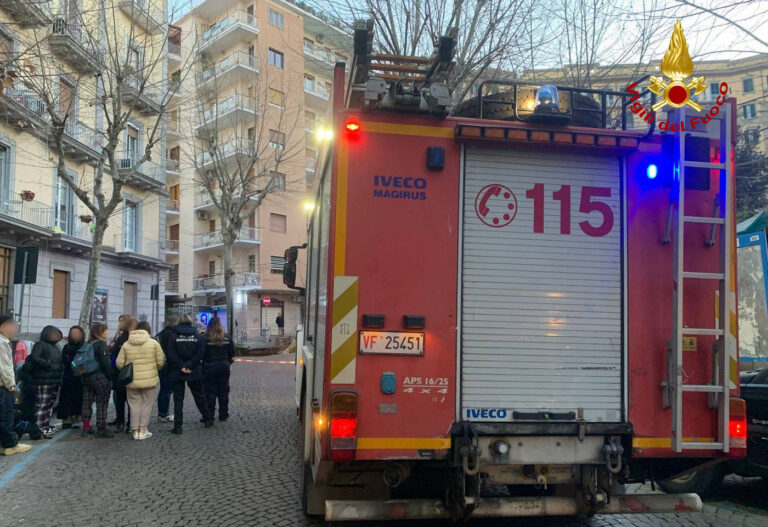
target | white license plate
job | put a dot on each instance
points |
(392, 342)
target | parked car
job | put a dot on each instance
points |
(704, 482)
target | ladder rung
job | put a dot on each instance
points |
(703, 331)
(704, 164)
(704, 388)
(693, 445)
(704, 276)
(704, 219)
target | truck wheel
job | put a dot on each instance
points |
(704, 482)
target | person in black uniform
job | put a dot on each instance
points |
(185, 354)
(219, 354)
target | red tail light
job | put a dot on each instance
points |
(737, 428)
(343, 426)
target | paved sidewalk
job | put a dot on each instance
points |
(244, 472)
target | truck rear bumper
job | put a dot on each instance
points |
(418, 509)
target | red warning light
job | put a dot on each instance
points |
(353, 126)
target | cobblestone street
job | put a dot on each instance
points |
(242, 472)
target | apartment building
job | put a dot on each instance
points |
(262, 67)
(747, 80)
(37, 207)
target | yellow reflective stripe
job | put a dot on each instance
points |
(407, 129)
(345, 303)
(403, 443)
(343, 355)
(665, 442)
(342, 184)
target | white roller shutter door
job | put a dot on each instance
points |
(541, 300)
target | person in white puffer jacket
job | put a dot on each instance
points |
(147, 358)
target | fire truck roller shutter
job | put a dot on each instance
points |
(542, 320)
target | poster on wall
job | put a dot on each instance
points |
(99, 309)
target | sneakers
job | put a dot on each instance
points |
(18, 449)
(209, 423)
(106, 434)
(146, 435)
(165, 418)
(176, 430)
(49, 432)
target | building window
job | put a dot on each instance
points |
(276, 139)
(6, 48)
(63, 207)
(276, 18)
(276, 98)
(131, 145)
(748, 85)
(748, 111)
(714, 88)
(251, 263)
(276, 58)
(752, 136)
(131, 226)
(310, 120)
(5, 176)
(211, 225)
(212, 268)
(130, 294)
(276, 264)
(309, 83)
(60, 304)
(278, 222)
(278, 180)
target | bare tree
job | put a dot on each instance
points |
(241, 147)
(490, 34)
(126, 79)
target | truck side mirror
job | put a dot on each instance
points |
(289, 267)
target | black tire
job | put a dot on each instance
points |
(704, 482)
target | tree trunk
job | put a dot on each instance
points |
(229, 286)
(93, 274)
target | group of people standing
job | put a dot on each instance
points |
(83, 370)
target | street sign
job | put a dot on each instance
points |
(266, 300)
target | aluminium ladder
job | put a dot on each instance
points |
(719, 128)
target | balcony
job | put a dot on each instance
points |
(71, 43)
(171, 287)
(143, 13)
(318, 60)
(233, 68)
(227, 154)
(171, 247)
(237, 26)
(203, 200)
(248, 237)
(236, 109)
(28, 12)
(173, 127)
(80, 142)
(24, 108)
(147, 175)
(316, 95)
(136, 247)
(139, 94)
(242, 280)
(172, 166)
(172, 207)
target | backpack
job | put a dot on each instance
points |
(85, 361)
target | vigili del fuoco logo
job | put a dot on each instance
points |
(673, 89)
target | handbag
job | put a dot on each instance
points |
(125, 376)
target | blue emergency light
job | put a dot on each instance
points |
(652, 171)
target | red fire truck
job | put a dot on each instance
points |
(514, 312)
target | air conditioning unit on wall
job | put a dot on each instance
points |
(201, 215)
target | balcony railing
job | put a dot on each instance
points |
(84, 135)
(318, 53)
(29, 212)
(203, 197)
(173, 125)
(230, 104)
(139, 92)
(174, 49)
(209, 239)
(171, 246)
(172, 165)
(317, 90)
(22, 104)
(172, 286)
(126, 243)
(235, 18)
(225, 150)
(172, 205)
(231, 61)
(241, 279)
(70, 42)
(129, 161)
